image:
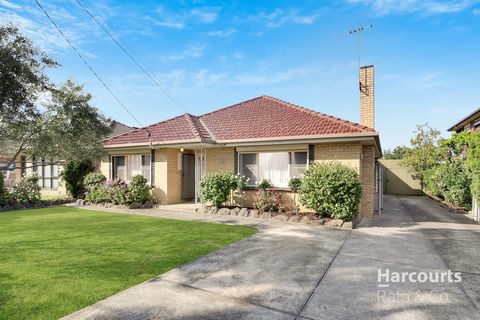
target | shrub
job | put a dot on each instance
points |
(268, 201)
(117, 190)
(264, 184)
(96, 190)
(216, 187)
(93, 180)
(73, 174)
(431, 182)
(454, 183)
(331, 189)
(27, 190)
(99, 194)
(138, 190)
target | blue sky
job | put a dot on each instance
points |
(211, 54)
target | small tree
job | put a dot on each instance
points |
(424, 153)
(295, 183)
(74, 173)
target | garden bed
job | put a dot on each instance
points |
(447, 205)
(38, 204)
(289, 217)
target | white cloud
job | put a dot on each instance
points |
(189, 52)
(205, 77)
(238, 55)
(263, 78)
(221, 33)
(9, 5)
(32, 22)
(179, 20)
(428, 7)
(279, 17)
(205, 15)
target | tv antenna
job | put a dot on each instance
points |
(357, 32)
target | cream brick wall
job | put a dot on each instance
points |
(367, 96)
(346, 153)
(220, 160)
(367, 177)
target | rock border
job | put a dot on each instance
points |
(39, 204)
(279, 217)
(133, 205)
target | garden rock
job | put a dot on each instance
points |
(148, 205)
(294, 219)
(253, 214)
(305, 219)
(334, 223)
(347, 225)
(224, 212)
(213, 210)
(135, 205)
(235, 211)
(266, 215)
(318, 221)
(243, 212)
(281, 217)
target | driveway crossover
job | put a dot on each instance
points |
(296, 271)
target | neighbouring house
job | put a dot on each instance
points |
(469, 123)
(260, 138)
(48, 170)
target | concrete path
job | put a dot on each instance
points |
(294, 271)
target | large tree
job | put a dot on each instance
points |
(35, 115)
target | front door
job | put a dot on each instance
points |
(188, 185)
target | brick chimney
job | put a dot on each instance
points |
(367, 96)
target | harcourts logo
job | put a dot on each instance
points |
(386, 277)
(402, 295)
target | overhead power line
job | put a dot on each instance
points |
(144, 70)
(87, 64)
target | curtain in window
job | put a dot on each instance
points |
(146, 167)
(134, 165)
(119, 169)
(298, 163)
(274, 167)
(248, 166)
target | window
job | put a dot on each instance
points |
(125, 167)
(476, 125)
(47, 172)
(278, 167)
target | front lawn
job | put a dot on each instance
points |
(57, 260)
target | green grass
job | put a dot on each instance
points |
(54, 261)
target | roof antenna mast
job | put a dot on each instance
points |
(357, 32)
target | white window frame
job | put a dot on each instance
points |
(251, 184)
(125, 156)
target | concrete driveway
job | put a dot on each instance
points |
(293, 271)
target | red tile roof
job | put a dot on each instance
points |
(260, 118)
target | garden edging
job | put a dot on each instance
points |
(276, 216)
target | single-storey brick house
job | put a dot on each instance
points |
(260, 138)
